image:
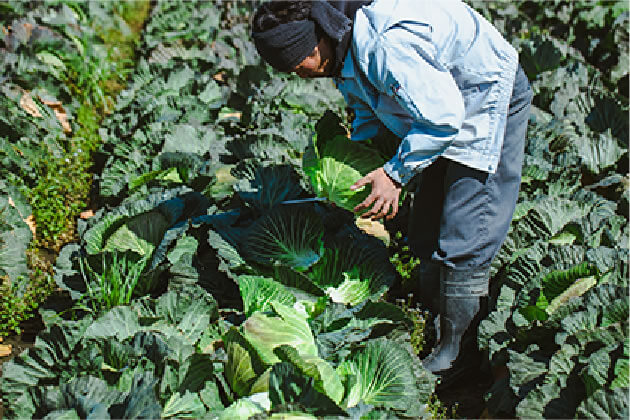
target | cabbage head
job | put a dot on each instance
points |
(336, 165)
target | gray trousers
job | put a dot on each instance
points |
(460, 216)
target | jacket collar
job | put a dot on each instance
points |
(349, 8)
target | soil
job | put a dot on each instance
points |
(466, 396)
(19, 343)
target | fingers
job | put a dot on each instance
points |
(365, 203)
(384, 210)
(363, 181)
(375, 209)
(394, 210)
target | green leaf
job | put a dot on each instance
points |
(120, 322)
(15, 237)
(187, 406)
(40, 364)
(341, 162)
(266, 332)
(352, 290)
(87, 395)
(288, 387)
(258, 292)
(52, 60)
(185, 138)
(534, 312)
(523, 369)
(243, 366)
(539, 56)
(179, 79)
(141, 401)
(247, 407)
(170, 174)
(598, 154)
(137, 225)
(578, 288)
(351, 272)
(210, 397)
(595, 373)
(327, 380)
(563, 238)
(605, 404)
(622, 374)
(286, 236)
(381, 374)
(617, 311)
(195, 372)
(558, 281)
(186, 245)
(264, 187)
(212, 95)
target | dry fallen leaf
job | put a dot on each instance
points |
(86, 214)
(5, 350)
(30, 221)
(232, 115)
(219, 77)
(374, 228)
(28, 104)
(24, 31)
(60, 113)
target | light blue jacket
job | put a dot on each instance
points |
(435, 73)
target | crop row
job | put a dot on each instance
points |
(197, 291)
(61, 66)
(232, 303)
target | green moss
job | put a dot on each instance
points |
(61, 191)
(63, 185)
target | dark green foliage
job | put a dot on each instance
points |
(248, 306)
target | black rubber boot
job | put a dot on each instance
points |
(426, 285)
(463, 296)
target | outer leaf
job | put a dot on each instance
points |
(605, 404)
(287, 386)
(15, 236)
(264, 187)
(141, 234)
(327, 380)
(265, 333)
(245, 408)
(188, 406)
(523, 369)
(120, 322)
(290, 237)
(599, 154)
(622, 374)
(380, 375)
(341, 163)
(242, 366)
(258, 293)
(40, 364)
(578, 288)
(351, 291)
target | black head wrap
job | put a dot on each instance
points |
(286, 45)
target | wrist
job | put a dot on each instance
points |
(396, 183)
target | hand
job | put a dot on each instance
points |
(384, 195)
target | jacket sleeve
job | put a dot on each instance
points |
(365, 124)
(405, 67)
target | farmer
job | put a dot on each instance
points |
(444, 81)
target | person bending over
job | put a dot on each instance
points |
(448, 85)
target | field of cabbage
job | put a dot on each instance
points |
(191, 289)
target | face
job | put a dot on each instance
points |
(318, 63)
